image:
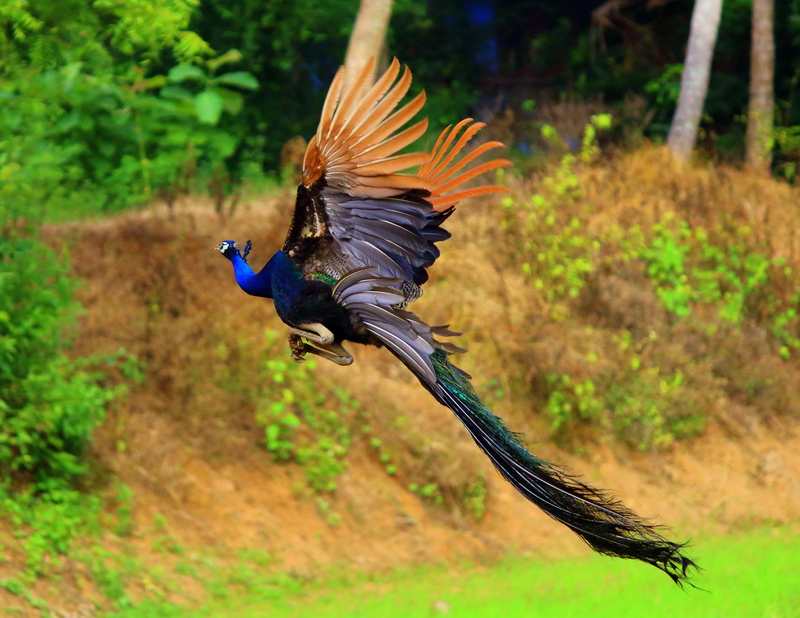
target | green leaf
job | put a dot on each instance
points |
(230, 56)
(184, 72)
(240, 79)
(156, 81)
(176, 93)
(208, 106)
(232, 101)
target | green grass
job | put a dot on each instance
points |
(751, 575)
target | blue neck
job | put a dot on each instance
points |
(254, 284)
(279, 279)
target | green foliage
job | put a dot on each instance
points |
(47, 34)
(110, 579)
(665, 258)
(305, 421)
(427, 491)
(647, 392)
(590, 150)
(384, 455)
(115, 140)
(16, 587)
(124, 498)
(788, 141)
(49, 405)
(101, 122)
(639, 405)
(557, 254)
(567, 399)
(48, 522)
(663, 92)
(293, 49)
(649, 411)
(474, 497)
(688, 268)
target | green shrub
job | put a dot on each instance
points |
(305, 421)
(49, 405)
(650, 411)
(570, 401)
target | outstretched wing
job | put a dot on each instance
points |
(358, 204)
(605, 524)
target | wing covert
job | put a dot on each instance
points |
(375, 301)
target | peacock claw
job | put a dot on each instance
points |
(298, 347)
(332, 351)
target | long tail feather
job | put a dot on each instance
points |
(605, 524)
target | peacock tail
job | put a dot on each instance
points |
(605, 524)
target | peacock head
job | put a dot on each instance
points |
(230, 249)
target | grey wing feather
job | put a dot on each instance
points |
(395, 235)
(375, 302)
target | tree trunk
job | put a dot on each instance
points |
(762, 99)
(368, 37)
(694, 82)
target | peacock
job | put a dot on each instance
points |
(361, 239)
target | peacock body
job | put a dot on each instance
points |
(356, 255)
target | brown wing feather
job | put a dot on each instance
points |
(359, 135)
(356, 144)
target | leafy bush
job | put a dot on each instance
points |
(556, 253)
(94, 118)
(632, 292)
(75, 143)
(48, 404)
(305, 421)
(567, 398)
(650, 411)
(690, 268)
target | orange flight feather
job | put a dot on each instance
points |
(360, 133)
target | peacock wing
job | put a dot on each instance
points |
(357, 192)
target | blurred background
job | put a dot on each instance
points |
(631, 306)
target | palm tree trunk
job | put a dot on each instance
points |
(368, 37)
(694, 83)
(762, 99)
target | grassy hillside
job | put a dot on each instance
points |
(636, 320)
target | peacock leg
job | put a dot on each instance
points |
(322, 344)
(313, 332)
(333, 352)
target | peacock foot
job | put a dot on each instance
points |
(322, 346)
(298, 347)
